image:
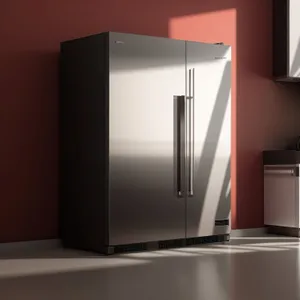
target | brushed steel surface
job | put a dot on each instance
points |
(145, 75)
(294, 38)
(209, 88)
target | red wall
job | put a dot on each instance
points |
(264, 115)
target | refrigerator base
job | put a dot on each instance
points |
(169, 244)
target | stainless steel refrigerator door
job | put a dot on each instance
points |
(208, 138)
(145, 75)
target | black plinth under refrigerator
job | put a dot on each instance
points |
(144, 142)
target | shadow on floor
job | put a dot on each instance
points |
(248, 268)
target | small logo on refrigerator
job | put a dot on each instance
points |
(220, 57)
(119, 42)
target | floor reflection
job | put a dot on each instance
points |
(245, 268)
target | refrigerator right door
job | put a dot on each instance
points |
(208, 145)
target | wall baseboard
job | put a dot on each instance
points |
(30, 245)
(250, 232)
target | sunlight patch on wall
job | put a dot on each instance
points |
(210, 27)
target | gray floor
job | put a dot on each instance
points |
(246, 268)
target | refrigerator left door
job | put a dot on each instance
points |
(145, 121)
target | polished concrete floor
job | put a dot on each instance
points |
(244, 269)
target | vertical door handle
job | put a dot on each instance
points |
(191, 132)
(179, 139)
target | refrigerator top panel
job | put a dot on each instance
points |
(134, 35)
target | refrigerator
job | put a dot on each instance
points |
(145, 142)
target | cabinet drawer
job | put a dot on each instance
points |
(281, 196)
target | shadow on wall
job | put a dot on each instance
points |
(29, 125)
(29, 171)
(29, 160)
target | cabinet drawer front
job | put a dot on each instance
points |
(281, 197)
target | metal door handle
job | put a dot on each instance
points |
(191, 132)
(280, 171)
(179, 139)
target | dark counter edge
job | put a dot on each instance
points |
(281, 157)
